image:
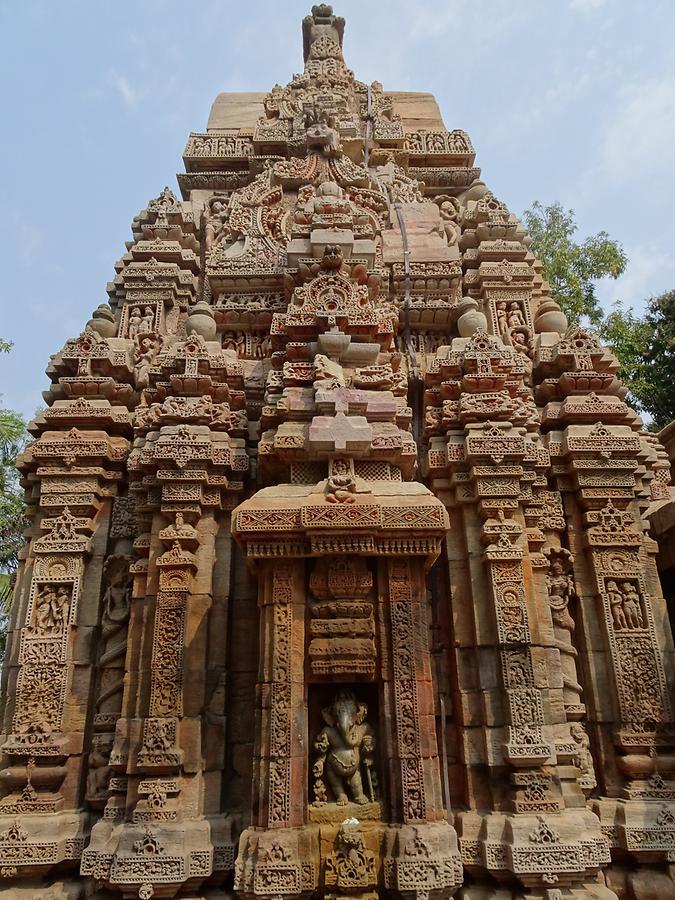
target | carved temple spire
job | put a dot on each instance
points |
(322, 33)
(338, 582)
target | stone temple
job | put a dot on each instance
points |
(340, 581)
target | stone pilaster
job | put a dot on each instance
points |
(605, 471)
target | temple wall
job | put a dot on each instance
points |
(350, 571)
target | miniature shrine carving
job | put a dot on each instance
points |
(339, 581)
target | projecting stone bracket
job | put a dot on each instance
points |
(151, 860)
(423, 860)
(391, 519)
(346, 860)
(643, 828)
(277, 863)
(541, 851)
(32, 845)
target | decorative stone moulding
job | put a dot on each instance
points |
(339, 579)
(297, 521)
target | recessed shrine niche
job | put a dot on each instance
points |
(343, 701)
(345, 749)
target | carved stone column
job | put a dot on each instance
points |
(159, 743)
(496, 465)
(278, 854)
(112, 654)
(604, 471)
(51, 675)
(163, 825)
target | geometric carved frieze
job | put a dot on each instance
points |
(277, 863)
(342, 625)
(304, 516)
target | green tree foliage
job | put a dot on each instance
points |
(572, 268)
(627, 336)
(644, 345)
(652, 339)
(13, 438)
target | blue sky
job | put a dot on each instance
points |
(570, 100)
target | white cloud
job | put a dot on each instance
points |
(129, 94)
(566, 90)
(586, 6)
(30, 242)
(640, 138)
(650, 271)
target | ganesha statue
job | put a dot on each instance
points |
(345, 750)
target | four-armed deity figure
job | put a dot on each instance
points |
(344, 745)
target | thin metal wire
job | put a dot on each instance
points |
(369, 118)
(415, 393)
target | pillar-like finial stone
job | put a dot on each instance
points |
(321, 23)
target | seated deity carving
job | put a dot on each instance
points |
(345, 750)
(329, 200)
(341, 485)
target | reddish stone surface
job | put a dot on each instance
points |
(338, 581)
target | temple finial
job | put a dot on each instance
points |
(321, 24)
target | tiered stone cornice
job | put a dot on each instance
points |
(338, 581)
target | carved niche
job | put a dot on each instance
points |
(342, 625)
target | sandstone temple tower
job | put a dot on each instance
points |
(339, 582)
